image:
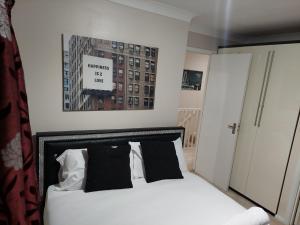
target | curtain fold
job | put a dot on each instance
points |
(19, 200)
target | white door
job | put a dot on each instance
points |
(226, 85)
(248, 128)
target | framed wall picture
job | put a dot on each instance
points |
(191, 80)
(107, 75)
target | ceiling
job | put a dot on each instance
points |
(240, 17)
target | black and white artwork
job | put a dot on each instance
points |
(107, 75)
(191, 80)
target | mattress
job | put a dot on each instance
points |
(188, 201)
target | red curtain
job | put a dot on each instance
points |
(19, 201)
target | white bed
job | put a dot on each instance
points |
(190, 201)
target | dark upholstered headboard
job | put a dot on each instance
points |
(51, 144)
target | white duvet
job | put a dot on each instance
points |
(188, 201)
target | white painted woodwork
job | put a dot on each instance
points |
(189, 118)
(262, 151)
(275, 134)
(247, 131)
(290, 197)
(223, 103)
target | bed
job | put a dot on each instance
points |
(190, 201)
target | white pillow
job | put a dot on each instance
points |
(180, 155)
(72, 169)
(137, 168)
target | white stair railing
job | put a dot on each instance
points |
(189, 118)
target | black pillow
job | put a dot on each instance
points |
(108, 167)
(160, 161)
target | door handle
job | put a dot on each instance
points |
(262, 87)
(266, 89)
(232, 127)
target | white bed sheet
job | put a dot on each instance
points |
(188, 201)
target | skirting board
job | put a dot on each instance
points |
(282, 220)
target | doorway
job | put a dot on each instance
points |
(191, 101)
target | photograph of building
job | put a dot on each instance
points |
(133, 75)
(191, 80)
(66, 83)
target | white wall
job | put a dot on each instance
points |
(39, 24)
(199, 62)
(202, 41)
(206, 42)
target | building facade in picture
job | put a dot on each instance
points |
(108, 75)
(66, 84)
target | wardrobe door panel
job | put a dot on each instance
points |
(292, 180)
(247, 131)
(277, 121)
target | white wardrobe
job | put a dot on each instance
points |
(268, 122)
